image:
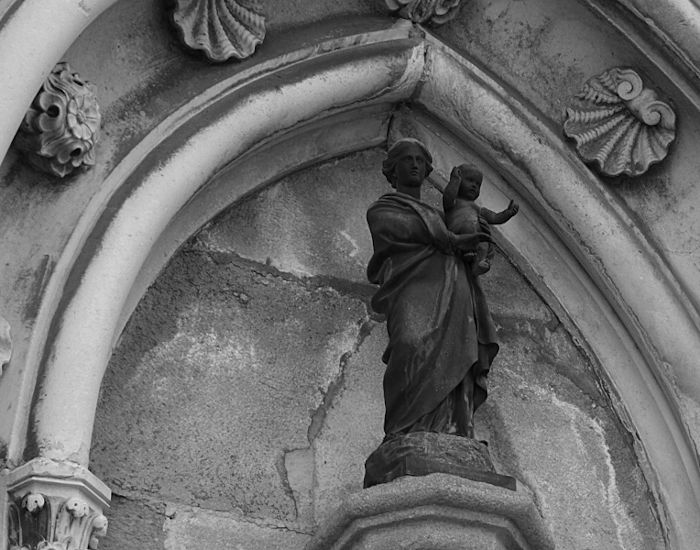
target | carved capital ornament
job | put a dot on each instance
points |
(55, 506)
(41, 522)
(432, 12)
(60, 129)
(221, 29)
(619, 125)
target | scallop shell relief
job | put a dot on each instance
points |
(619, 125)
(433, 12)
(222, 29)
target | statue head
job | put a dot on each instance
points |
(399, 150)
(470, 178)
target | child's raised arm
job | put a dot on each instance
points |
(449, 194)
(496, 218)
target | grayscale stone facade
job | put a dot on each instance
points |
(188, 357)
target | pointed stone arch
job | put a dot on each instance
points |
(339, 98)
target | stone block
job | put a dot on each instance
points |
(423, 453)
(188, 527)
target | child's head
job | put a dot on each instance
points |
(470, 178)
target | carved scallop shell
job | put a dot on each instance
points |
(222, 29)
(619, 125)
(435, 12)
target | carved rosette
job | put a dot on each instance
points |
(619, 125)
(5, 343)
(60, 129)
(222, 29)
(433, 12)
(41, 522)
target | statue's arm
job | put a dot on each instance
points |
(496, 218)
(449, 194)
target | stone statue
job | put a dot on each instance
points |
(442, 339)
(464, 216)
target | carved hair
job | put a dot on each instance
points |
(467, 171)
(394, 154)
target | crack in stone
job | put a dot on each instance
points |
(267, 524)
(156, 505)
(172, 510)
(281, 466)
(361, 291)
(337, 385)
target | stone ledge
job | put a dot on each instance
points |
(42, 475)
(436, 512)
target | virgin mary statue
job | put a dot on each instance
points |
(441, 336)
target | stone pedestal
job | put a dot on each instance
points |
(435, 512)
(422, 453)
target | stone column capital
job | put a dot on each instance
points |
(55, 506)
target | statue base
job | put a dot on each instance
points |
(436, 511)
(423, 453)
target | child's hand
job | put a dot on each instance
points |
(512, 208)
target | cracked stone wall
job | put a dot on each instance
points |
(245, 392)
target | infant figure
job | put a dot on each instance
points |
(463, 215)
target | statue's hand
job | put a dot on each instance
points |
(512, 208)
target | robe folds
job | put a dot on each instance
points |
(437, 316)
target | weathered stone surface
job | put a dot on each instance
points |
(217, 330)
(305, 225)
(545, 50)
(187, 528)
(423, 453)
(355, 414)
(540, 31)
(546, 45)
(438, 511)
(215, 379)
(134, 524)
(549, 425)
(5, 343)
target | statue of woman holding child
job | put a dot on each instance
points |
(442, 339)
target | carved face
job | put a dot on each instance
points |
(469, 188)
(411, 167)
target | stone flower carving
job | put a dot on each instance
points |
(53, 523)
(77, 507)
(59, 130)
(5, 343)
(33, 502)
(619, 125)
(433, 12)
(222, 29)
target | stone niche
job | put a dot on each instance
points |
(245, 392)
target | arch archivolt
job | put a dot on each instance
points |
(572, 239)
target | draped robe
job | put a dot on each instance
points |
(440, 330)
